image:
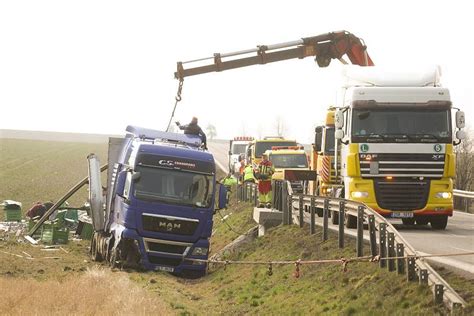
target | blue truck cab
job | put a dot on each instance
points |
(161, 197)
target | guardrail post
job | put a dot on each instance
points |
(423, 277)
(301, 210)
(383, 244)
(411, 273)
(391, 251)
(312, 224)
(400, 260)
(438, 293)
(255, 194)
(360, 231)
(284, 203)
(373, 237)
(290, 209)
(325, 219)
(341, 224)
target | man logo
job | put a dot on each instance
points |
(166, 163)
(169, 226)
(438, 148)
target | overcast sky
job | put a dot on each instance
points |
(97, 66)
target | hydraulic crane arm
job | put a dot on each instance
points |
(324, 47)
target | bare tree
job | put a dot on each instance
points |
(464, 168)
(211, 131)
(280, 126)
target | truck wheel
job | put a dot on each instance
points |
(422, 221)
(95, 255)
(351, 221)
(439, 222)
(408, 221)
(334, 217)
(319, 211)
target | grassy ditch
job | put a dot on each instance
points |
(71, 284)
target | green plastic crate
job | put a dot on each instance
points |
(12, 211)
(51, 233)
(86, 230)
(13, 215)
(32, 223)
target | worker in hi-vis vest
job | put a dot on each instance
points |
(248, 174)
(264, 173)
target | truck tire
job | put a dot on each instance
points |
(334, 217)
(95, 254)
(351, 221)
(408, 221)
(439, 222)
(421, 221)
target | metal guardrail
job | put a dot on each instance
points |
(467, 196)
(390, 242)
(464, 194)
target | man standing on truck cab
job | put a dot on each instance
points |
(264, 173)
(193, 129)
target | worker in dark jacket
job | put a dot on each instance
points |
(194, 129)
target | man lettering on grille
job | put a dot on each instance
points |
(264, 173)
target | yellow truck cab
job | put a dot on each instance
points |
(396, 136)
(322, 158)
(257, 147)
(286, 158)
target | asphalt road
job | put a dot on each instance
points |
(457, 238)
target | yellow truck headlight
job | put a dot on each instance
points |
(359, 194)
(443, 195)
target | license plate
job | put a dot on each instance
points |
(165, 269)
(402, 214)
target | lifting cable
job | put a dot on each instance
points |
(177, 98)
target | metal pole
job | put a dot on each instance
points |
(301, 211)
(391, 251)
(284, 203)
(411, 273)
(383, 244)
(341, 224)
(372, 235)
(423, 277)
(290, 209)
(360, 231)
(255, 194)
(438, 293)
(400, 261)
(325, 219)
(312, 224)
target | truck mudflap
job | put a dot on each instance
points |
(165, 255)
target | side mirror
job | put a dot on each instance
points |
(318, 136)
(461, 135)
(339, 134)
(136, 176)
(460, 120)
(222, 197)
(339, 119)
(120, 184)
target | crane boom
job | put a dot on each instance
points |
(324, 47)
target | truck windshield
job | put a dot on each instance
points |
(289, 161)
(329, 141)
(261, 147)
(401, 125)
(174, 186)
(238, 149)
